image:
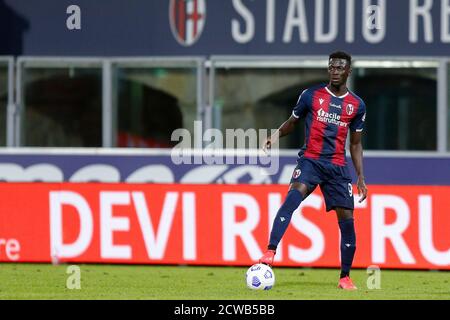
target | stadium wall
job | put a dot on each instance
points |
(244, 27)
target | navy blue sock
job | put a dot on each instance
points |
(348, 245)
(284, 215)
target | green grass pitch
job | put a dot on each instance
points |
(44, 281)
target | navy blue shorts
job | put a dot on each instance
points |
(335, 181)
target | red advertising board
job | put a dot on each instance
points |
(397, 226)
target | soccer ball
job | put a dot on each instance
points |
(260, 277)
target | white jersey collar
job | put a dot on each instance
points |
(340, 97)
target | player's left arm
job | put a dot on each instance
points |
(356, 151)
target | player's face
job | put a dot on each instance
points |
(338, 71)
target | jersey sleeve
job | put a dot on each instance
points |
(302, 105)
(357, 124)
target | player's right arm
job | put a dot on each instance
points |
(300, 110)
(286, 128)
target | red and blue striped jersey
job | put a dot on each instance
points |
(327, 120)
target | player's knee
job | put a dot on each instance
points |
(300, 187)
(344, 214)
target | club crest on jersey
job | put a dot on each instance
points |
(297, 173)
(187, 19)
(350, 109)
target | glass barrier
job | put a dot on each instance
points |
(61, 106)
(401, 99)
(401, 106)
(61, 102)
(448, 107)
(3, 101)
(151, 102)
(262, 98)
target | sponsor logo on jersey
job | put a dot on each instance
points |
(187, 19)
(297, 173)
(330, 117)
(335, 105)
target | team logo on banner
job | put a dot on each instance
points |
(187, 19)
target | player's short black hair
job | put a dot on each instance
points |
(341, 55)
